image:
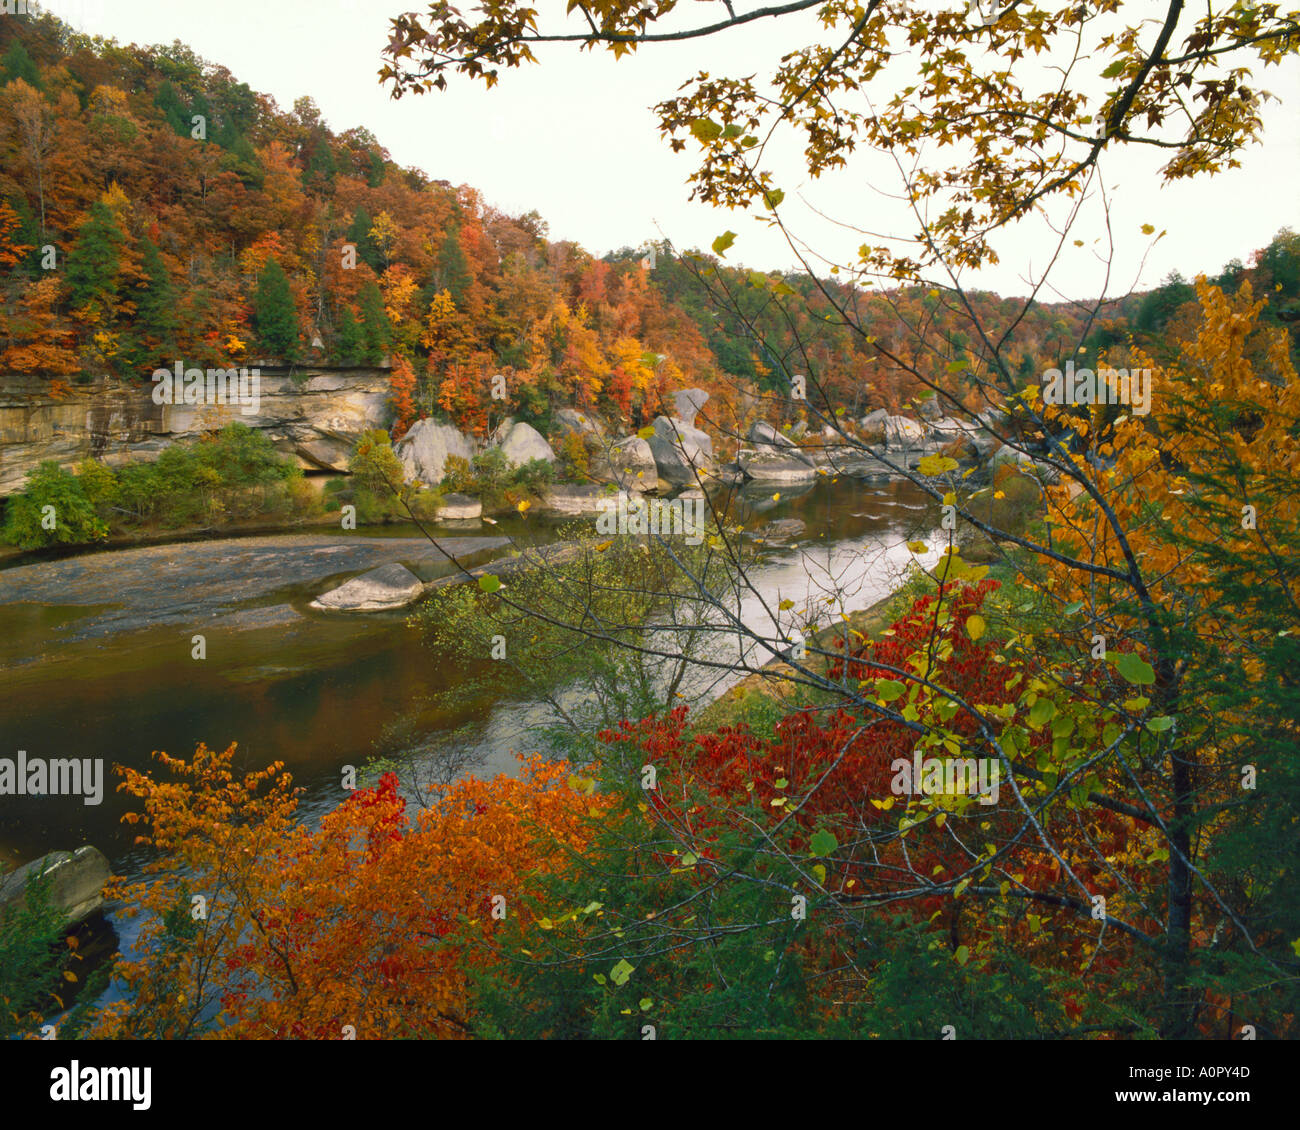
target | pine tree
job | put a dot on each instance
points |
(348, 342)
(453, 268)
(169, 102)
(374, 324)
(358, 232)
(18, 64)
(274, 314)
(156, 320)
(95, 262)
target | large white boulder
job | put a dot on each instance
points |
(687, 403)
(680, 451)
(776, 467)
(524, 442)
(424, 450)
(389, 586)
(629, 462)
(568, 420)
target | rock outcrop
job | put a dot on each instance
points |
(315, 416)
(76, 882)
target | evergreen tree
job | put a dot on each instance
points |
(274, 314)
(358, 232)
(173, 109)
(95, 262)
(18, 64)
(375, 173)
(156, 320)
(453, 268)
(374, 325)
(349, 341)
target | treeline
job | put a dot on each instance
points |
(154, 208)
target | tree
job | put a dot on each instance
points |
(17, 63)
(274, 314)
(52, 510)
(156, 320)
(1094, 720)
(374, 324)
(94, 265)
(348, 343)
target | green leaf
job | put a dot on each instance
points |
(823, 843)
(690, 859)
(1073, 607)
(774, 197)
(724, 241)
(781, 783)
(489, 583)
(706, 129)
(1114, 70)
(962, 956)
(1161, 724)
(1042, 711)
(645, 1003)
(1134, 668)
(889, 689)
(621, 972)
(599, 978)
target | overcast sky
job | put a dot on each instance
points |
(577, 141)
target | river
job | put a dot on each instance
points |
(96, 652)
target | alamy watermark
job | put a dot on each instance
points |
(1105, 386)
(949, 776)
(212, 386)
(58, 776)
(677, 516)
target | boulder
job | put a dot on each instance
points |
(762, 434)
(687, 402)
(389, 586)
(1026, 463)
(798, 431)
(872, 428)
(781, 530)
(524, 442)
(776, 467)
(575, 500)
(76, 882)
(458, 507)
(930, 408)
(629, 462)
(681, 452)
(900, 431)
(568, 420)
(424, 450)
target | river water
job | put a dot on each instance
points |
(95, 654)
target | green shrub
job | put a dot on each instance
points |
(52, 510)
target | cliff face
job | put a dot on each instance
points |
(315, 416)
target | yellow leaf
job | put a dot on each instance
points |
(975, 627)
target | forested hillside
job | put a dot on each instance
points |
(153, 208)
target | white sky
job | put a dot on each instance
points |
(577, 141)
